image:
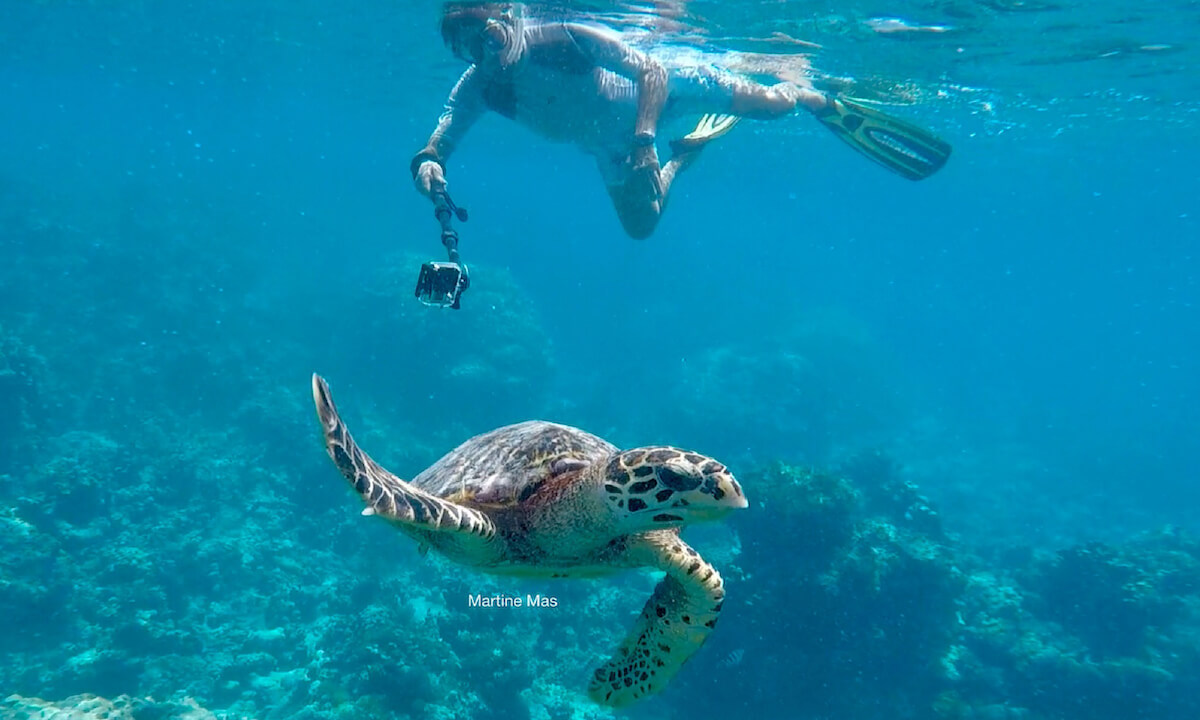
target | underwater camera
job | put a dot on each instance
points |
(441, 284)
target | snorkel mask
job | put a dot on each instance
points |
(478, 34)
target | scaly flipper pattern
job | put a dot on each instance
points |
(674, 623)
(386, 494)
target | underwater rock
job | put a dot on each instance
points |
(854, 612)
(1108, 598)
(93, 707)
(860, 611)
(74, 483)
(35, 587)
(549, 701)
(22, 379)
(950, 705)
(134, 312)
(822, 506)
(1094, 630)
(890, 494)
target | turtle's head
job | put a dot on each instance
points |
(659, 487)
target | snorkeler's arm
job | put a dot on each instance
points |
(464, 106)
(611, 53)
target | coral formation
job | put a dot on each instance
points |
(169, 528)
(22, 379)
(1106, 598)
(871, 603)
(93, 707)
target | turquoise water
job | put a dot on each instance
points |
(963, 410)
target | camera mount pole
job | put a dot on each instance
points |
(445, 210)
(441, 284)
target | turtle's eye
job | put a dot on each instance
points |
(676, 480)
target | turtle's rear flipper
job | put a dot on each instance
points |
(386, 494)
(675, 622)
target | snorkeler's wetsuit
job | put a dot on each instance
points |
(582, 85)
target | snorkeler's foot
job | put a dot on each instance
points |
(899, 146)
(709, 128)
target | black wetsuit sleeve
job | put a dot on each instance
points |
(650, 77)
(464, 106)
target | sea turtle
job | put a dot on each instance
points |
(538, 499)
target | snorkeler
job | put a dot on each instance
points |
(582, 84)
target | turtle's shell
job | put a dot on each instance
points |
(505, 466)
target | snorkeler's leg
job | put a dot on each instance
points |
(723, 98)
(768, 102)
(680, 161)
(899, 146)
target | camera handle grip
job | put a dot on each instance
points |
(445, 210)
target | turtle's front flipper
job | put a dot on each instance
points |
(386, 494)
(675, 622)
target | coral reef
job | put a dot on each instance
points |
(1106, 598)
(22, 379)
(859, 611)
(170, 528)
(92, 707)
(168, 545)
(1090, 631)
(890, 493)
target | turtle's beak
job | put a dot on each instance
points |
(716, 492)
(737, 498)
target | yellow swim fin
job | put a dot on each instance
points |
(901, 147)
(709, 128)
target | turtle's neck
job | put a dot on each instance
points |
(569, 513)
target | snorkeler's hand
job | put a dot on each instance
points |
(430, 177)
(646, 171)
